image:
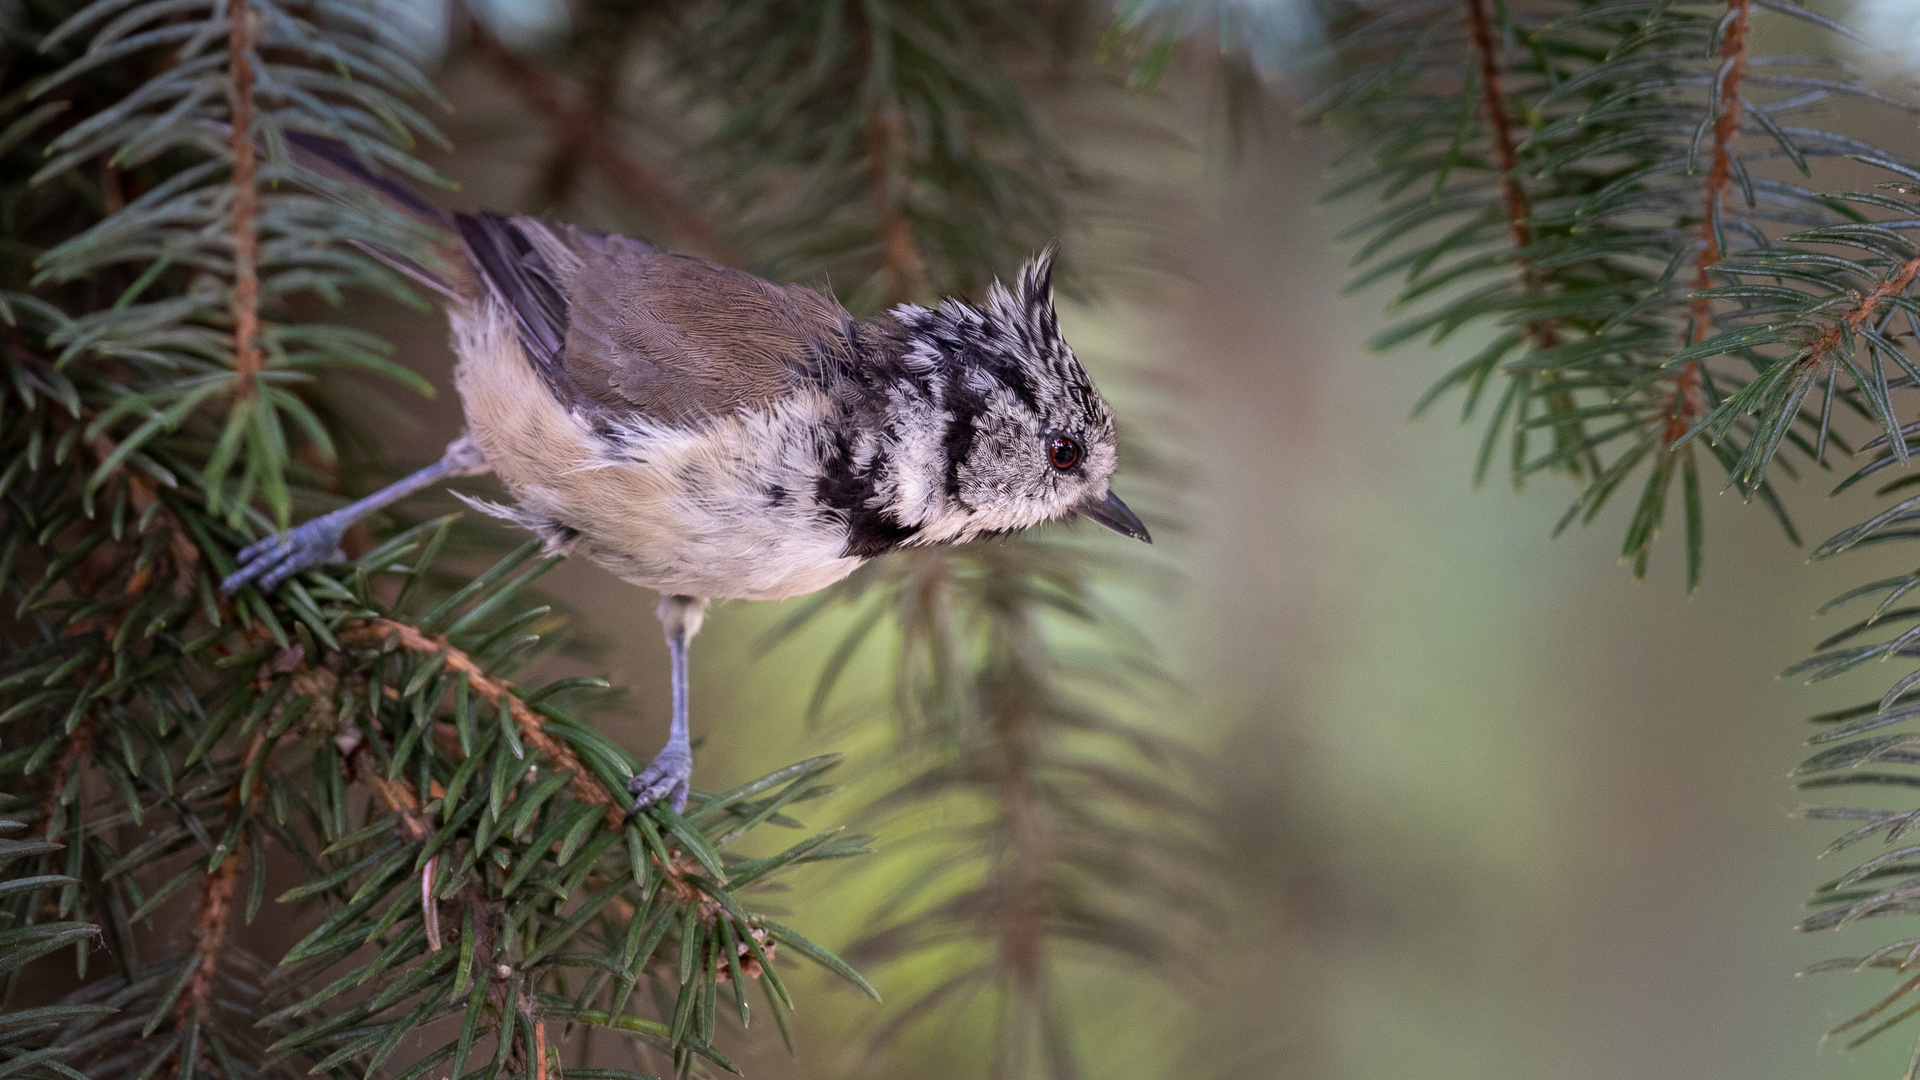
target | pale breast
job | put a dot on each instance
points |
(721, 507)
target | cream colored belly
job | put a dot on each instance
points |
(679, 510)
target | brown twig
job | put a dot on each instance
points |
(493, 691)
(539, 1049)
(1860, 314)
(216, 905)
(1687, 402)
(398, 799)
(142, 493)
(581, 131)
(1544, 332)
(246, 204)
(900, 257)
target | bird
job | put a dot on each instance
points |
(712, 435)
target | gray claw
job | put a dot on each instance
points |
(667, 777)
(266, 563)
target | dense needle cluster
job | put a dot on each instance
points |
(459, 841)
(1619, 200)
(459, 868)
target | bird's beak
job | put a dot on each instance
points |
(1108, 510)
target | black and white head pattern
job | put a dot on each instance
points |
(994, 426)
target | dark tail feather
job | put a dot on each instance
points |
(336, 161)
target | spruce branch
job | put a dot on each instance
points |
(1085, 848)
(1687, 402)
(497, 693)
(246, 205)
(1642, 119)
(1726, 125)
(1877, 301)
(357, 726)
(30, 1041)
(876, 144)
(1545, 332)
(216, 905)
(900, 259)
(1871, 745)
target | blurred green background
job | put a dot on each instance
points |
(1491, 809)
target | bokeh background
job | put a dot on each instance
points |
(1488, 807)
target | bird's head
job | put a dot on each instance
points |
(1024, 436)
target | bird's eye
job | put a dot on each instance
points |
(1064, 451)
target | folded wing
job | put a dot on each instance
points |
(622, 329)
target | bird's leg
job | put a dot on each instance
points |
(273, 560)
(668, 775)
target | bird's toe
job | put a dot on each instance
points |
(665, 779)
(268, 562)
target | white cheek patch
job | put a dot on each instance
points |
(915, 481)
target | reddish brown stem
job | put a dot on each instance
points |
(216, 906)
(1687, 402)
(1726, 125)
(210, 928)
(1862, 313)
(1545, 332)
(494, 691)
(246, 205)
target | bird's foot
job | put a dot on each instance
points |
(666, 777)
(267, 563)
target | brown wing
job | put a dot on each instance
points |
(675, 337)
(621, 327)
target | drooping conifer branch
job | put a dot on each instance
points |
(216, 905)
(246, 202)
(1726, 127)
(1545, 332)
(1688, 400)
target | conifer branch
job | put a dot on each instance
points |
(1726, 126)
(494, 692)
(1019, 915)
(216, 905)
(246, 203)
(1694, 323)
(1861, 314)
(79, 745)
(900, 258)
(1545, 332)
(1624, 236)
(1688, 401)
(129, 477)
